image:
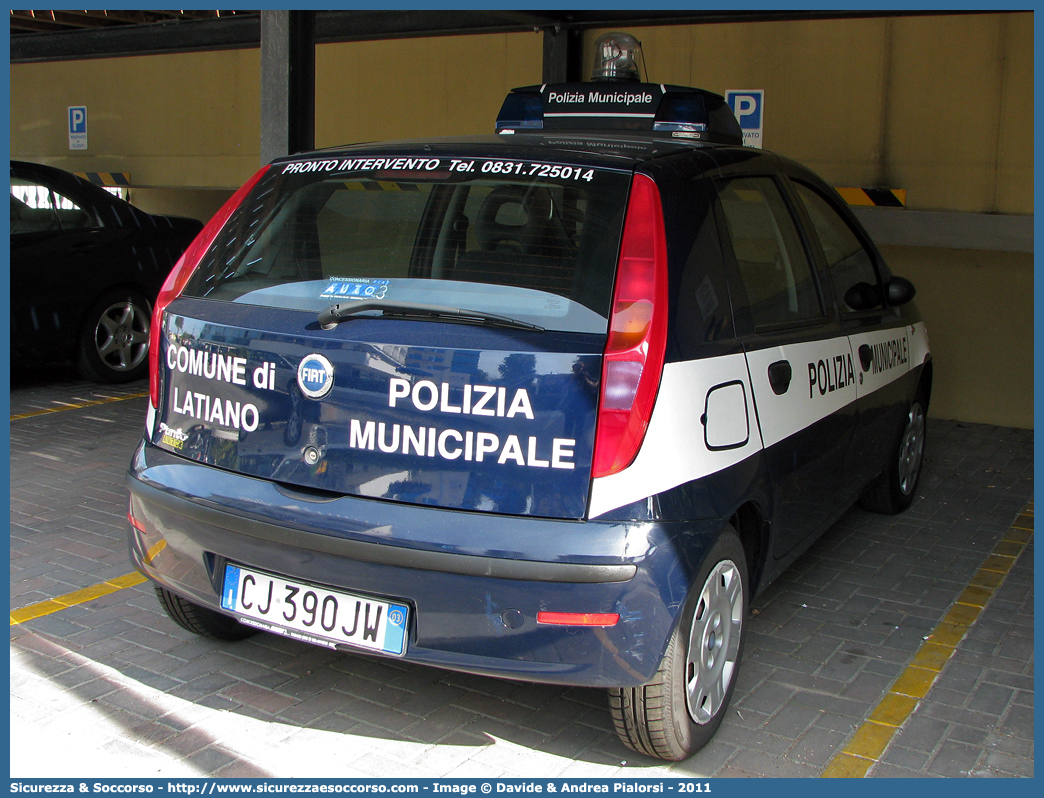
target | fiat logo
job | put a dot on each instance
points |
(315, 376)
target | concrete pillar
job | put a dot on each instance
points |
(287, 83)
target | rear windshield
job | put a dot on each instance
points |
(536, 242)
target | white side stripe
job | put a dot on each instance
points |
(675, 449)
(918, 344)
(823, 381)
(683, 444)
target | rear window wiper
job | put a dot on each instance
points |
(335, 314)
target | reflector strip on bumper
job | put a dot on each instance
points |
(579, 618)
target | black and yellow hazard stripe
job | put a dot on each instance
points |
(109, 179)
(879, 197)
(380, 185)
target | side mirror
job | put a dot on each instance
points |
(900, 291)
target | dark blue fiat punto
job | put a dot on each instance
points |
(550, 405)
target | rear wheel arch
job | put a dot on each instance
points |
(924, 384)
(679, 709)
(753, 530)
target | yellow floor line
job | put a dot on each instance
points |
(43, 608)
(869, 742)
(69, 406)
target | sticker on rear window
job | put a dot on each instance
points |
(363, 164)
(523, 168)
(355, 288)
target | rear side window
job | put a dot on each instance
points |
(36, 208)
(851, 267)
(528, 241)
(772, 262)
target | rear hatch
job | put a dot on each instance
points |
(402, 326)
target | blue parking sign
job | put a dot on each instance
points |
(77, 127)
(78, 119)
(748, 106)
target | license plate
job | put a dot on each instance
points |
(314, 614)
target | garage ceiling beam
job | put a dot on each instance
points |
(22, 21)
(244, 29)
(167, 36)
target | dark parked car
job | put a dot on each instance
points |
(85, 270)
(549, 405)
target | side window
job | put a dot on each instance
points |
(36, 208)
(851, 267)
(772, 262)
(32, 208)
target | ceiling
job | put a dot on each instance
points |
(52, 21)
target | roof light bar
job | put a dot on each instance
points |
(652, 108)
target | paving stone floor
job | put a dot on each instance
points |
(119, 690)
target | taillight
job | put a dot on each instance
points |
(634, 353)
(179, 276)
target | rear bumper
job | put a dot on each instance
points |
(474, 581)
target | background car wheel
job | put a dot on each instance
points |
(894, 489)
(202, 620)
(679, 710)
(114, 341)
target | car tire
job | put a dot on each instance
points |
(114, 339)
(677, 713)
(894, 490)
(201, 620)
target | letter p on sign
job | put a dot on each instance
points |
(748, 106)
(77, 127)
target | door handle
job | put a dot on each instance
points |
(780, 374)
(866, 358)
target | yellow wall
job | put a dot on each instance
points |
(191, 120)
(938, 105)
(941, 106)
(978, 307)
(417, 88)
(188, 120)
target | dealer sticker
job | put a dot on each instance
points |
(355, 288)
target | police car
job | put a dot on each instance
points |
(552, 404)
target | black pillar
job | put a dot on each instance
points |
(287, 83)
(562, 54)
